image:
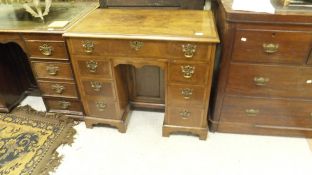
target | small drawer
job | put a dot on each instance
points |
(190, 51)
(93, 68)
(271, 46)
(188, 117)
(63, 105)
(186, 95)
(47, 49)
(98, 88)
(262, 111)
(191, 73)
(101, 108)
(61, 89)
(269, 81)
(52, 70)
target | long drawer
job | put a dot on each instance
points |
(270, 81)
(270, 112)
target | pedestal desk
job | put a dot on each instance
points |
(180, 42)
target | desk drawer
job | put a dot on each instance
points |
(188, 117)
(47, 49)
(261, 80)
(101, 108)
(190, 73)
(61, 89)
(93, 68)
(186, 95)
(63, 105)
(92, 87)
(52, 70)
(272, 46)
(141, 48)
(262, 111)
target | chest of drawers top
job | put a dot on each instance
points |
(173, 25)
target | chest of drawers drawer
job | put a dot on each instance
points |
(186, 116)
(47, 49)
(270, 80)
(92, 87)
(101, 108)
(52, 70)
(142, 48)
(262, 111)
(182, 95)
(60, 89)
(286, 47)
(92, 67)
(63, 105)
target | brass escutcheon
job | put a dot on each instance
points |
(188, 71)
(57, 88)
(46, 49)
(64, 104)
(101, 106)
(96, 86)
(88, 46)
(270, 47)
(189, 50)
(92, 66)
(252, 112)
(136, 45)
(52, 69)
(187, 93)
(261, 81)
(185, 114)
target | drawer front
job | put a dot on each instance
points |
(52, 70)
(186, 95)
(141, 48)
(93, 68)
(261, 111)
(102, 108)
(47, 50)
(188, 73)
(188, 117)
(260, 80)
(98, 88)
(63, 105)
(60, 89)
(272, 46)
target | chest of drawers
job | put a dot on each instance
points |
(183, 49)
(264, 81)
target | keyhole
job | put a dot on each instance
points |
(273, 35)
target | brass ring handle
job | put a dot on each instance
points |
(46, 49)
(96, 86)
(64, 104)
(185, 114)
(261, 81)
(136, 45)
(101, 106)
(187, 93)
(52, 69)
(189, 50)
(92, 66)
(252, 112)
(57, 88)
(270, 47)
(88, 46)
(188, 71)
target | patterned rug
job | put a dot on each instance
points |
(29, 139)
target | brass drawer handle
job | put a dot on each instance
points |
(96, 86)
(311, 115)
(57, 88)
(92, 66)
(252, 112)
(52, 69)
(88, 46)
(185, 114)
(136, 45)
(189, 50)
(188, 71)
(261, 81)
(46, 49)
(64, 104)
(270, 47)
(101, 106)
(187, 93)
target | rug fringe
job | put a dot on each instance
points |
(52, 164)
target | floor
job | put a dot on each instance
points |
(143, 151)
